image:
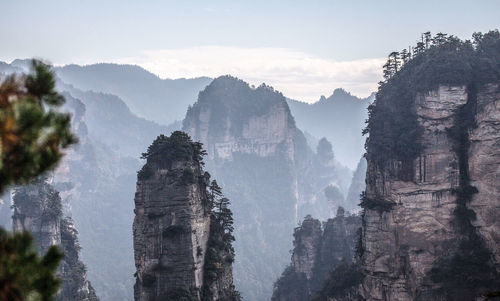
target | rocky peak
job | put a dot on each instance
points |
(318, 249)
(174, 227)
(230, 117)
(38, 210)
(307, 239)
(264, 163)
(339, 92)
(324, 151)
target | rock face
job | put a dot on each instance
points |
(484, 167)
(318, 249)
(174, 227)
(38, 209)
(413, 234)
(263, 162)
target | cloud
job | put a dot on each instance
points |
(297, 74)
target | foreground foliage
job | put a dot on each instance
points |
(32, 136)
(23, 274)
(32, 132)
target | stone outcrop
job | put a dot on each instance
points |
(174, 229)
(38, 210)
(264, 164)
(318, 249)
(416, 229)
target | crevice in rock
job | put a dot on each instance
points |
(469, 257)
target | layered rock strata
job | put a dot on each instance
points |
(418, 228)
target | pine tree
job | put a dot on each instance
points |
(420, 48)
(439, 39)
(392, 65)
(32, 136)
(32, 132)
(23, 274)
(214, 193)
(405, 55)
(427, 39)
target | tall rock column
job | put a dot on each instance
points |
(172, 227)
(318, 249)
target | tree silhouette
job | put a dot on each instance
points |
(427, 39)
(214, 194)
(392, 65)
(439, 39)
(405, 55)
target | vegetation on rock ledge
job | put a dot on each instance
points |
(394, 132)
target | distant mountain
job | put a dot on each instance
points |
(8, 69)
(110, 121)
(156, 99)
(21, 64)
(340, 118)
(266, 167)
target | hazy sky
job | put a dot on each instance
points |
(302, 48)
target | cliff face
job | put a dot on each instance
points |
(175, 232)
(38, 210)
(431, 199)
(416, 236)
(484, 167)
(318, 249)
(263, 162)
(230, 117)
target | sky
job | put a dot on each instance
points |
(304, 49)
